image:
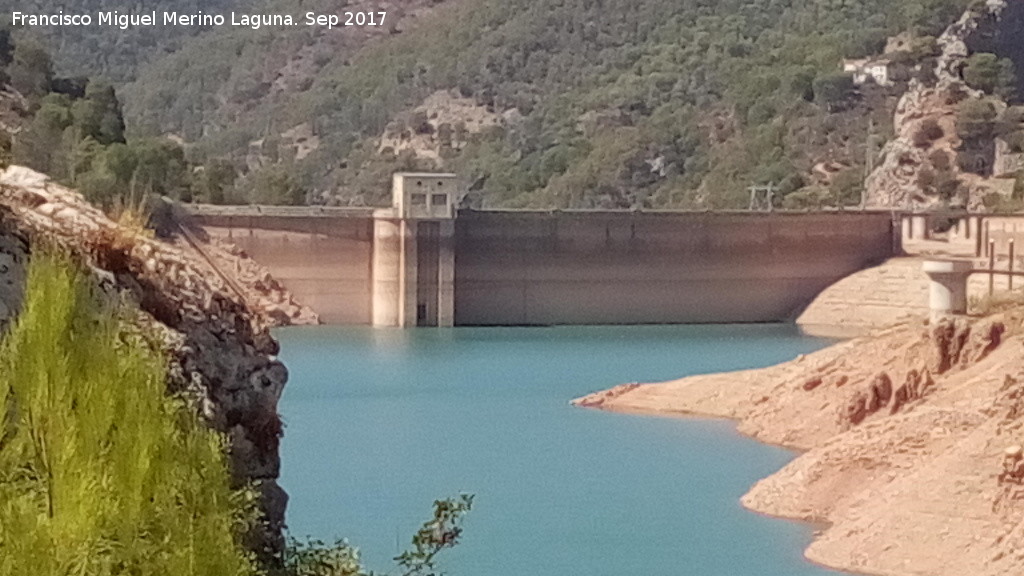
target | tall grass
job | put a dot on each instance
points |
(101, 473)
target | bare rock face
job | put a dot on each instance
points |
(812, 383)
(896, 182)
(222, 355)
(13, 253)
(880, 393)
(247, 278)
(953, 42)
(914, 388)
(952, 344)
(955, 342)
(870, 400)
(1013, 466)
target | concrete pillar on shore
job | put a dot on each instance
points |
(947, 286)
(906, 229)
(973, 227)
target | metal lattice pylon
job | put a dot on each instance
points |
(762, 197)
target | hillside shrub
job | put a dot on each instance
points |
(833, 89)
(1015, 141)
(928, 132)
(939, 160)
(991, 74)
(976, 125)
(975, 119)
(847, 186)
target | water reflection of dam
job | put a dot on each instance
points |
(421, 262)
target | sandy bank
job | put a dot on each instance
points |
(904, 436)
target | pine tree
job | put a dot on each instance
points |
(101, 473)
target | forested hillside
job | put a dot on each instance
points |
(113, 53)
(540, 103)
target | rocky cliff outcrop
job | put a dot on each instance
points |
(221, 353)
(249, 280)
(918, 172)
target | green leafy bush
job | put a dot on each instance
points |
(441, 532)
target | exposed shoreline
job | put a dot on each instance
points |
(900, 435)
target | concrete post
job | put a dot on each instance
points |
(906, 230)
(976, 230)
(947, 286)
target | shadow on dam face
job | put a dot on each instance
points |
(548, 268)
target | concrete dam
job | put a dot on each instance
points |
(422, 262)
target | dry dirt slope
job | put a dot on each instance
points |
(911, 442)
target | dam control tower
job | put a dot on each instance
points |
(413, 253)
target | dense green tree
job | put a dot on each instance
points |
(98, 114)
(847, 187)
(569, 69)
(832, 89)
(976, 119)
(276, 185)
(31, 70)
(991, 74)
(213, 181)
(77, 136)
(6, 54)
(977, 125)
(160, 168)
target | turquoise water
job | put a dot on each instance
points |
(382, 422)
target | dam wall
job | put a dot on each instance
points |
(570, 267)
(324, 261)
(522, 268)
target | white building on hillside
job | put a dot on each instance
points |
(864, 69)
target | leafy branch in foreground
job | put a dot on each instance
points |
(443, 531)
(439, 533)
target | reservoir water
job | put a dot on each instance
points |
(380, 423)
